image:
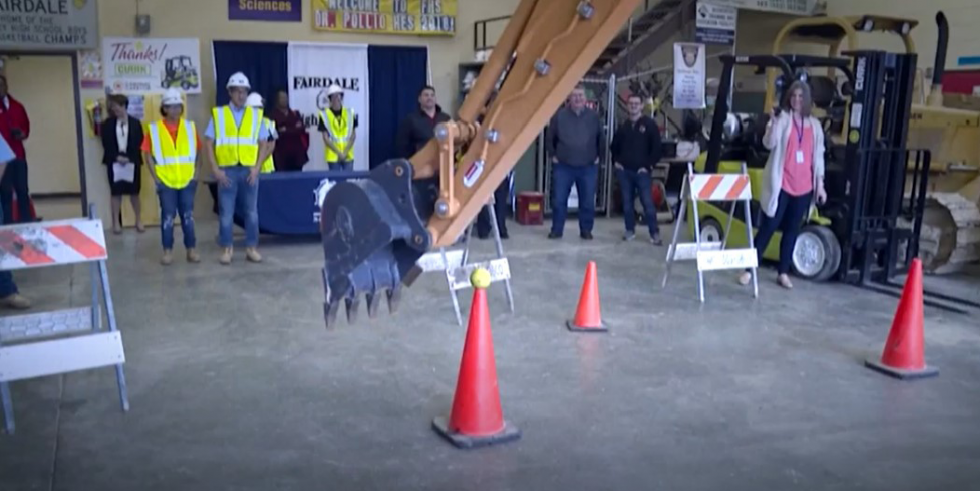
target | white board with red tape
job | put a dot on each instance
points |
(34, 245)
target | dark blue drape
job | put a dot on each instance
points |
(265, 65)
(396, 74)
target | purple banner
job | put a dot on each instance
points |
(267, 10)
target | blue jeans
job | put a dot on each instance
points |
(789, 218)
(630, 182)
(585, 179)
(173, 201)
(246, 196)
(7, 285)
(344, 166)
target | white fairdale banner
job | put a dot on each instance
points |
(313, 67)
(151, 65)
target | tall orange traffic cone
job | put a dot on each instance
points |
(588, 315)
(904, 353)
(477, 419)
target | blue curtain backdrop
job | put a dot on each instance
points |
(265, 65)
(395, 76)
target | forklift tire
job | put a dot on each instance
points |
(817, 253)
(711, 230)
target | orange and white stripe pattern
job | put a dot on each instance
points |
(720, 187)
(53, 243)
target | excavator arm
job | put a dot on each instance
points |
(374, 230)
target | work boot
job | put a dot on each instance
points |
(784, 282)
(655, 240)
(586, 235)
(15, 301)
(746, 278)
(629, 235)
(226, 256)
(168, 257)
(193, 256)
(253, 255)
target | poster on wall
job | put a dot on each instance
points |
(90, 69)
(313, 67)
(689, 76)
(413, 17)
(266, 10)
(48, 25)
(151, 65)
(715, 24)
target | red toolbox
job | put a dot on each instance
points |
(530, 208)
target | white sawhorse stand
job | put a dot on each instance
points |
(62, 341)
(457, 268)
(712, 256)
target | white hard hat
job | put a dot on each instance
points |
(172, 96)
(334, 89)
(254, 100)
(238, 79)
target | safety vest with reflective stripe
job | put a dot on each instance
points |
(175, 160)
(235, 145)
(269, 165)
(340, 130)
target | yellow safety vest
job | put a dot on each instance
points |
(235, 145)
(340, 130)
(269, 165)
(175, 161)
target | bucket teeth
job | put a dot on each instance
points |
(330, 310)
(394, 298)
(373, 304)
(353, 305)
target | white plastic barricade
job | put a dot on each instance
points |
(713, 256)
(62, 341)
(457, 268)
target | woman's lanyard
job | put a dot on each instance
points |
(799, 138)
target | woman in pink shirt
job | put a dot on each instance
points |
(793, 176)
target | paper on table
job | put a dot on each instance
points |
(123, 172)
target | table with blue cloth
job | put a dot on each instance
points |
(288, 203)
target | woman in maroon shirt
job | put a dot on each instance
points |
(291, 147)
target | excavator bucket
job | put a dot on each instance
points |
(372, 237)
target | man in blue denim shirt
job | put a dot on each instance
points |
(9, 296)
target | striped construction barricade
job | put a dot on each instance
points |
(56, 342)
(713, 256)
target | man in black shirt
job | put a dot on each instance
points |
(636, 149)
(418, 127)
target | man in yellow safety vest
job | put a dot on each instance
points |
(338, 126)
(170, 147)
(255, 100)
(236, 142)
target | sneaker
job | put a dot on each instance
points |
(168, 257)
(226, 256)
(253, 255)
(504, 235)
(554, 235)
(655, 240)
(16, 301)
(193, 256)
(784, 282)
(629, 235)
(746, 278)
(586, 235)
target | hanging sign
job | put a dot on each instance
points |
(48, 25)
(689, 76)
(151, 65)
(715, 24)
(412, 17)
(795, 7)
(266, 10)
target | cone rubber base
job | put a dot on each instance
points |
(441, 425)
(603, 327)
(900, 374)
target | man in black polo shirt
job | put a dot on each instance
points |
(419, 127)
(636, 149)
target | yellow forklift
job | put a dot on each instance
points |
(180, 72)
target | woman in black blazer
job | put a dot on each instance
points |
(122, 136)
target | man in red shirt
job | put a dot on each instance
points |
(15, 127)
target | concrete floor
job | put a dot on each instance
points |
(235, 384)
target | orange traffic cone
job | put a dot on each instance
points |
(477, 419)
(904, 353)
(588, 315)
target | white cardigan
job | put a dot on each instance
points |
(777, 141)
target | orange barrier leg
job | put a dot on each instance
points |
(904, 353)
(588, 315)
